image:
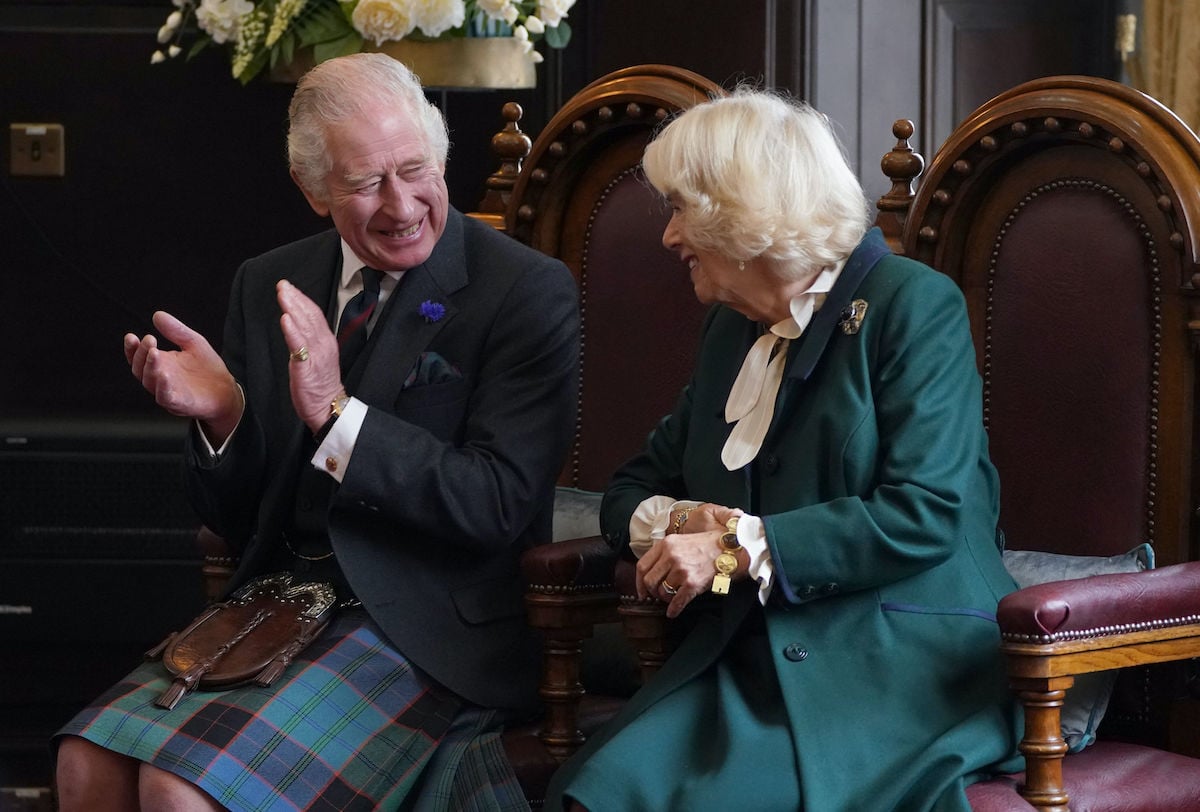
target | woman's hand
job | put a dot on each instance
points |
(679, 567)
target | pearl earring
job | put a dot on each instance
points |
(741, 265)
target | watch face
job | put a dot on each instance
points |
(726, 563)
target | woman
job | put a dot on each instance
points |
(821, 497)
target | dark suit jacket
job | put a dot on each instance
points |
(449, 482)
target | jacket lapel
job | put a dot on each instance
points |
(816, 338)
(402, 333)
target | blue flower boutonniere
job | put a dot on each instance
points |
(432, 311)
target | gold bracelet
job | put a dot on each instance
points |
(680, 519)
(726, 563)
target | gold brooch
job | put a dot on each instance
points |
(852, 317)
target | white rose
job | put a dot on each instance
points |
(383, 20)
(551, 12)
(221, 19)
(434, 17)
(495, 9)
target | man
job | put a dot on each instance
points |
(410, 477)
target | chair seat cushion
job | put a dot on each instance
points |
(1107, 776)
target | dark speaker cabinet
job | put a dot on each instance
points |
(98, 562)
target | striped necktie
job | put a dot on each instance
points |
(352, 328)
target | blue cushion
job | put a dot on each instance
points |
(576, 514)
(1087, 700)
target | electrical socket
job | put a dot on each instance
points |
(36, 149)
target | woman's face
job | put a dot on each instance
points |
(715, 277)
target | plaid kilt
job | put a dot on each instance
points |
(350, 725)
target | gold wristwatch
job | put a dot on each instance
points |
(726, 563)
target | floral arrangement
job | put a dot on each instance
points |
(269, 33)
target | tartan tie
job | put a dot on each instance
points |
(352, 328)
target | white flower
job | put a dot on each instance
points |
(496, 9)
(221, 19)
(534, 25)
(436, 16)
(165, 34)
(552, 12)
(520, 33)
(174, 51)
(157, 57)
(536, 57)
(174, 19)
(383, 20)
(285, 12)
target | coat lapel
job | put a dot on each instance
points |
(816, 338)
(402, 332)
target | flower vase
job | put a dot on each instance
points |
(476, 63)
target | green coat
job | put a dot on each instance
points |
(880, 507)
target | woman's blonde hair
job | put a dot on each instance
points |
(756, 174)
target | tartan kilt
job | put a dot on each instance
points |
(350, 725)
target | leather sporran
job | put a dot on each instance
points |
(249, 638)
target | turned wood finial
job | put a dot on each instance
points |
(512, 147)
(902, 166)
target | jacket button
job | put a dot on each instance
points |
(829, 588)
(771, 464)
(795, 652)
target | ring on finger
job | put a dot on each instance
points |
(670, 590)
(299, 355)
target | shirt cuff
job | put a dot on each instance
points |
(649, 522)
(333, 455)
(752, 535)
(204, 437)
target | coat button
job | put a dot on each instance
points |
(830, 588)
(771, 464)
(795, 652)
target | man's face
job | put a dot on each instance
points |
(386, 191)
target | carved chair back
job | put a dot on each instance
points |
(1068, 210)
(580, 196)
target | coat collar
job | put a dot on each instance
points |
(872, 249)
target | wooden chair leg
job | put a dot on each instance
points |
(644, 623)
(565, 621)
(1043, 745)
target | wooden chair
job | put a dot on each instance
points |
(1068, 210)
(577, 193)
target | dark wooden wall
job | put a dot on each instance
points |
(176, 173)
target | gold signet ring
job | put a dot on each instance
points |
(300, 354)
(670, 590)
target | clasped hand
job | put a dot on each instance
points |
(683, 561)
(194, 382)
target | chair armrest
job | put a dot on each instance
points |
(571, 565)
(1102, 607)
(1055, 631)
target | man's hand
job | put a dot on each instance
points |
(317, 379)
(192, 381)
